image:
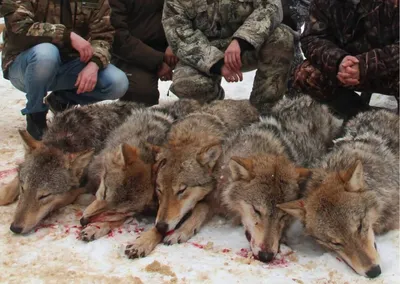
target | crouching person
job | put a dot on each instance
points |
(140, 48)
(60, 46)
(215, 39)
(350, 45)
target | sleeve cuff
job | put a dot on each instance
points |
(216, 68)
(244, 45)
(97, 60)
(67, 37)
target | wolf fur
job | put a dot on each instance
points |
(262, 167)
(122, 172)
(184, 172)
(179, 108)
(353, 192)
(54, 169)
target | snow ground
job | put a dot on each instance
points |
(218, 254)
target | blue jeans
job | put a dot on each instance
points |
(39, 70)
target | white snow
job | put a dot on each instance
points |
(53, 254)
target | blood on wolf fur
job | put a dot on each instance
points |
(6, 173)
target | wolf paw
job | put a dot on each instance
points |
(140, 248)
(181, 235)
(143, 245)
(93, 232)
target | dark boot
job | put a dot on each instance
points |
(36, 124)
(56, 103)
(347, 103)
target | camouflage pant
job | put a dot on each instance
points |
(310, 80)
(272, 61)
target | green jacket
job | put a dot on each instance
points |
(31, 22)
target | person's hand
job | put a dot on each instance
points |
(82, 46)
(170, 58)
(349, 71)
(164, 72)
(232, 56)
(230, 75)
(87, 78)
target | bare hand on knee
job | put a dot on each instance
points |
(87, 78)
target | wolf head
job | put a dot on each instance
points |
(49, 179)
(184, 176)
(255, 186)
(125, 184)
(340, 215)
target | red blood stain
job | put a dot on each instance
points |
(78, 214)
(301, 203)
(110, 234)
(282, 262)
(243, 252)
(197, 245)
(119, 230)
(138, 230)
(226, 250)
(6, 173)
(43, 226)
(170, 232)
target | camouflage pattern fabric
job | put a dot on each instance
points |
(368, 31)
(312, 81)
(272, 61)
(23, 30)
(192, 25)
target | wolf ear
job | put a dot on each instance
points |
(130, 154)
(209, 155)
(354, 178)
(241, 168)
(77, 162)
(29, 142)
(295, 208)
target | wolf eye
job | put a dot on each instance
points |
(257, 211)
(44, 196)
(182, 190)
(337, 244)
(360, 227)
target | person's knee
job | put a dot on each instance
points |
(114, 83)
(281, 44)
(46, 57)
(200, 88)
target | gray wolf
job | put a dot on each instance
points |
(352, 193)
(122, 172)
(184, 172)
(263, 166)
(54, 170)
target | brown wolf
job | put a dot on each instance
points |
(184, 172)
(353, 192)
(53, 170)
(122, 172)
(263, 167)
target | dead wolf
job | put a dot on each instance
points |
(53, 170)
(122, 172)
(353, 192)
(184, 172)
(263, 166)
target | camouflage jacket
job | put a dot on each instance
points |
(197, 30)
(31, 22)
(369, 31)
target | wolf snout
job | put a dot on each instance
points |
(84, 221)
(374, 272)
(16, 229)
(162, 228)
(265, 256)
